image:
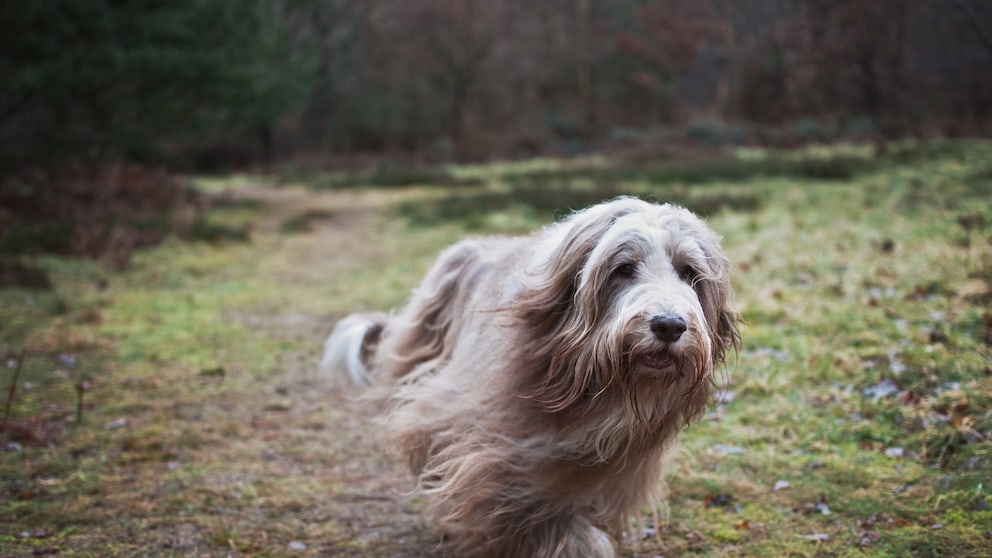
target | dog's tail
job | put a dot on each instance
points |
(351, 345)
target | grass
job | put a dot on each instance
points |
(854, 422)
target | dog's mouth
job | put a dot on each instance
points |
(658, 360)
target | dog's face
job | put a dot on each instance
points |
(640, 296)
(655, 285)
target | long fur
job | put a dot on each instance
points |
(525, 386)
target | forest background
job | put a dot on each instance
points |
(210, 84)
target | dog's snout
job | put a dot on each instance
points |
(667, 328)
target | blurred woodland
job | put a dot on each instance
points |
(213, 84)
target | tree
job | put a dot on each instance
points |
(664, 41)
(139, 79)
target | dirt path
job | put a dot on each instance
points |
(331, 483)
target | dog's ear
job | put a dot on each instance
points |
(554, 322)
(727, 330)
(553, 280)
(718, 302)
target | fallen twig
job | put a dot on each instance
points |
(11, 391)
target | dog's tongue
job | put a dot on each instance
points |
(659, 359)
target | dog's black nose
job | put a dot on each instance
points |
(667, 328)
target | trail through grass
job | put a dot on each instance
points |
(854, 422)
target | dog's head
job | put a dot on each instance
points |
(624, 296)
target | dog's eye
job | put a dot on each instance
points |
(687, 273)
(625, 270)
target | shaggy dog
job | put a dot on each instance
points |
(536, 384)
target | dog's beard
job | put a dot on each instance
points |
(621, 392)
(663, 376)
(685, 363)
